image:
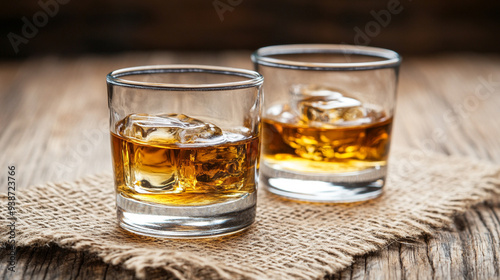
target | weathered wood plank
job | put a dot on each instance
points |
(465, 251)
(53, 115)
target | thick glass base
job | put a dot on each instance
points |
(186, 221)
(336, 188)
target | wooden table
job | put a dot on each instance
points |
(53, 116)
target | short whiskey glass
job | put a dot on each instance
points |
(327, 120)
(185, 143)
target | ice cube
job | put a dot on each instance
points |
(282, 113)
(213, 169)
(302, 91)
(170, 129)
(320, 105)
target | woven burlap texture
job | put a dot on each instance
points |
(289, 240)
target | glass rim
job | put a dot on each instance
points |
(391, 59)
(116, 77)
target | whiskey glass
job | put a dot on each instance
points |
(327, 120)
(185, 143)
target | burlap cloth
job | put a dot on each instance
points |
(289, 240)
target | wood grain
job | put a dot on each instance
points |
(53, 115)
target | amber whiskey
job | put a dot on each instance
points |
(301, 148)
(173, 169)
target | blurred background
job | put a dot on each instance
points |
(70, 27)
